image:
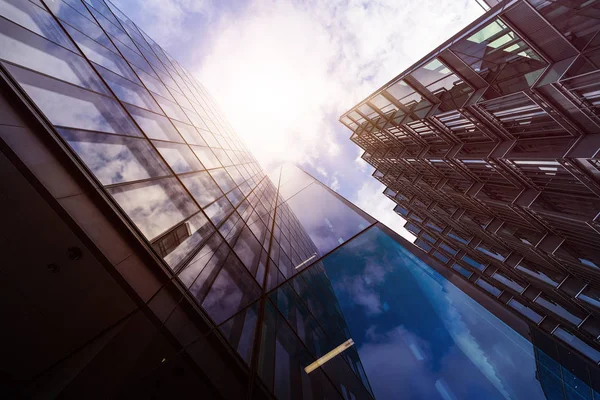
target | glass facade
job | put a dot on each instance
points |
(280, 269)
(489, 148)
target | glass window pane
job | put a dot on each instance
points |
(526, 311)
(213, 252)
(206, 156)
(154, 206)
(69, 106)
(218, 210)
(155, 126)
(35, 19)
(222, 156)
(209, 138)
(449, 343)
(189, 133)
(232, 227)
(239, 331)
(152, 83)
(196, 120)
(326, 218)
(128, 91)
(177, 244)
(235, 197)
(223, 179)
(232, 290)
(22, 47)
(79, 27)
(235, 174)
(115, 159)
(102, 56)
(248, 249)
(171, 109)
(178, 156)
(71, 11)
(202, 187)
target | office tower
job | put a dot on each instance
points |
(489, 145)
(146, 255)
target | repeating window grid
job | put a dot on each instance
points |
(161, 176)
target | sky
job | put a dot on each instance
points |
(284, 71)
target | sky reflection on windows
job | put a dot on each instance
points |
(419, 335)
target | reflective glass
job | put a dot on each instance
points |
(175, 248)
(499, 55)
(115, 159)
(223, 179)
(35, 19)
(178, 156)
(70, 106)
(209, 138)
(152, 83)
(235, 196)
(171, 109)
(239, 331)
(103, 56)
(206, 156)
(218, 210)
(327, 219)
(128, 91)
(154, 206)
(155, 126)
(248, 250)
(202, 187)
(78, 27)
(231, 290)
(112, 30)
(196, 120)
(70, 9)
(231, 228)
(22, 47)
(434, 340)
(292, 181)
(222, 156)
(189, 133)
(282, 359)
(213, 252)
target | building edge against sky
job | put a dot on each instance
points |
(147, 255)
(489, 146)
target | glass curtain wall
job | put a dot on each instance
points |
(284, 268)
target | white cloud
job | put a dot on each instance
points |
(335, 182)
(164, 20)
(371, 199)
(284, 71)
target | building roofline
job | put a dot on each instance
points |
(493, 12)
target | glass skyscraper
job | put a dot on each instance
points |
(147, 255)
(489, 147)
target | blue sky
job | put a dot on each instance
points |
(284, 71)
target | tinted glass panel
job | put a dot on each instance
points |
(326, 218)
(29, 50)
(128, 91)
(35, 19)
(218, 210)
(154, 125)
(154, 206)
(69, 106)
(442, 347)
(206, 156)
(202, 187)
(179, 157)
(115, 159)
